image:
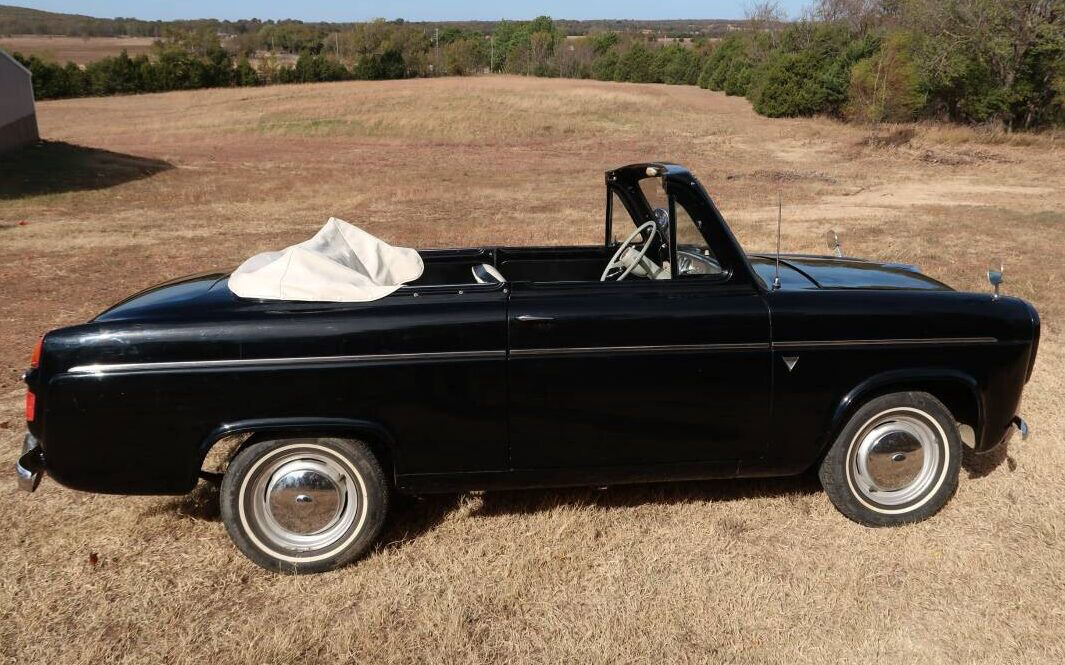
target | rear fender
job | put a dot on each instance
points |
(376, 435)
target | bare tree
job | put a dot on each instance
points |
(858, 15)
(764, 15)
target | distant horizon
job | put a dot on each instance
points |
(408, 10)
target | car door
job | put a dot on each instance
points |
(634, 373)
(642, 372)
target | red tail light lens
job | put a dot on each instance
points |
(35, 359)
(31, 406)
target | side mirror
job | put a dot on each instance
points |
(832, 239)
(994, 275)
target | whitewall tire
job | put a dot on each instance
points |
(304, 505)
(896, 460)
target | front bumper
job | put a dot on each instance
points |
(30, 466)
(1016, 426)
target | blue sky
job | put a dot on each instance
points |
(417, 10)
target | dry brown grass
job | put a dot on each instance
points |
(744, 571)
(81, 50)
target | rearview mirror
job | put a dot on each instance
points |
(832, 239)
(994, 275)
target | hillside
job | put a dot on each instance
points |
(134, 190)
(25, 21)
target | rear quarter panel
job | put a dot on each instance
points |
(143, 431)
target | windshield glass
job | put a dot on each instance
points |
(694, 256)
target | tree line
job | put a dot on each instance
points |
(998, 62)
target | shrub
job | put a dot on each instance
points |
(465, 56)
(635, 65)
(677, 65)
(380, 66)
(730, 54)
(809, 73)
(603, 67)
(885, 86)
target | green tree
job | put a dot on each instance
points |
(636, 65)
(246, 75)
(886, 85)
(467, 55)
(604, 67)
(810, 72)
(387, 65)
(603, 42)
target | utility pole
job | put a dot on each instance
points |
(436, 36)
(338, 45)
(492, 50)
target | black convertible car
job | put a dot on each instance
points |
(670, 355)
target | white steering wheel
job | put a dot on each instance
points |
(622, 260)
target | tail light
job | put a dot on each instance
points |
(35, 359)
(31, 399)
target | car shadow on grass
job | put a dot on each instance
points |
(978, 465)
(199, 504)
(411, 517)
(54, 167)
(630, 496)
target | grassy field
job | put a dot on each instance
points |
(81, 50)
(135, 190)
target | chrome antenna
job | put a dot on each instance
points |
(776, 276)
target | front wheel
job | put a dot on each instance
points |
(304, 505)
(896, 461)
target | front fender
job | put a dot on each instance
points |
(959, 392)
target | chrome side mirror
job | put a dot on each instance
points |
(994, 275)
(832, 239)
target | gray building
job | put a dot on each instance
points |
(18, 118)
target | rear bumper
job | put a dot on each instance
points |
(30, 465)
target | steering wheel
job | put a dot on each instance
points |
(622, 260)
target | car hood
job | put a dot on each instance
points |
(800, 271)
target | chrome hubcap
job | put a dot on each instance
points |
(304, 498)
(304, 501)
(896, 458)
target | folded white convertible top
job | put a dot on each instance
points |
(341, 263)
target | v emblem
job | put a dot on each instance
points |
(790, 361)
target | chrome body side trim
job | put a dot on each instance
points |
(660, 348)
(944, 341)
(108, 368)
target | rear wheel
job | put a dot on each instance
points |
(304, 505)
(896, 461)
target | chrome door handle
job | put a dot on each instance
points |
(533, 317)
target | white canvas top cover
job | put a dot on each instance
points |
(341, 263)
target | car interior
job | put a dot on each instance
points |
(514, 264)
(583, 263)
(642, 254)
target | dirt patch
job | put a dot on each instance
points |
(894, 138)
(784, 176)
